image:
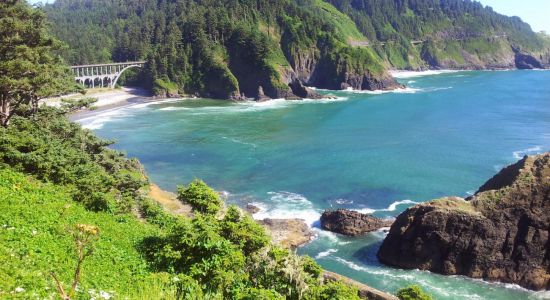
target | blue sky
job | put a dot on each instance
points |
(534, 12)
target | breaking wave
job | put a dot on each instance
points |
(521, 153)
(411, 74)
(287, 205)
(391, 207)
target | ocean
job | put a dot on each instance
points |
(374, 152)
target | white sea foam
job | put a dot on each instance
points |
(171, 108)
(237, 141)
(331, 237)
(287, 205)
(392, 207)
(374, 271)
(163, 101)
(411, 74)
(407, 90)
(343, 201)
(98, 120)
(532, 150)
(325, 253)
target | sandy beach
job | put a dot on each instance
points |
(106, 99)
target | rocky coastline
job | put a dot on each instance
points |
(501, 233)
(351, 223)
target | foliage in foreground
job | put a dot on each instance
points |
(413, 292)
(56, 150)
(28, 69)
(55, 175)
(228, 258)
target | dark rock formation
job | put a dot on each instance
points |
(351, 223)
(251, 208)
(314, 69)
(526, 61)
(383, 82)
(301, 91)
(501, 233)
(261, 96)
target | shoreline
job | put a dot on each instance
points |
(111, 99)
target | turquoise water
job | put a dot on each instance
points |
(380, 153)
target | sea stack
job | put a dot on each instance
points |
(351, 223)
(499, 234)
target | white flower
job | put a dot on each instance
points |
(105, 295)
(34, 232)
(19, 289)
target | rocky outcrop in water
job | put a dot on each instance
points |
(289, 233)
(352, 223)
(501, 233)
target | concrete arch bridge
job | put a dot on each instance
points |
(102, 75)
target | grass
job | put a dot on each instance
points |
(454, 203)
(35, 224)
(344, 25)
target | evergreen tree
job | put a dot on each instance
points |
(28, 69)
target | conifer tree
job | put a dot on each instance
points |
(28, 69)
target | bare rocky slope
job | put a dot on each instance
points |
(499, 234)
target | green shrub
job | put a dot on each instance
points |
(243, 231)
(337, 291)
(35, 239)
(56, 150)
(201, 197)
(413, 292)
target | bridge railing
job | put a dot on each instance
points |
(102, 74)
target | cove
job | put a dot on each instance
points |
(445, 134)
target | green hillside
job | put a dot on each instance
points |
(442, 33)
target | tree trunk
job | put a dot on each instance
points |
(4, 109)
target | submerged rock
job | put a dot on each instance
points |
(251, 208)
(501, 233)
(289, 233)
(351, 223)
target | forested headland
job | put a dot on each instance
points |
(231, 49)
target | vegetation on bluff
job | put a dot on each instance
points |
(428, 33)
(213, 48)
(28, 70)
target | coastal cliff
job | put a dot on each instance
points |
(501, 233)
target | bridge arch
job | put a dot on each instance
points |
(103, 74)
(115, 80)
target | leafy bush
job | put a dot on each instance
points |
(243, 231)
(35, 239)
(200, 196)
(413, 292)
(56, 150)
(337, 291)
